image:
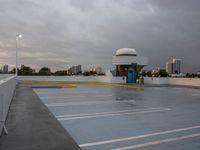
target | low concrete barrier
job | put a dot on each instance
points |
(173, 81)
(107, 79)
(7, 88)
(59, 78)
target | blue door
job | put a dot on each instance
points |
(131, 76)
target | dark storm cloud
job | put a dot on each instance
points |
(66, 32)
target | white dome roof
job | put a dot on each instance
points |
(126, 52)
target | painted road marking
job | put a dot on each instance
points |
(76, 96)
(113, 114)
(86, 103)
(138, 136)
(158, 142)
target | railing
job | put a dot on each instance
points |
(7, 88)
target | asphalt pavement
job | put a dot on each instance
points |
(31, 126)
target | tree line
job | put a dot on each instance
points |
(45, 71)
(26, 70)
(163, 73)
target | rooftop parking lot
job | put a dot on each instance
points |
(106, 117)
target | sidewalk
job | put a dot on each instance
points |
(32, 127)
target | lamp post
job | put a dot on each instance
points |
(17, 39)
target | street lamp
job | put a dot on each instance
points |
(17, 39)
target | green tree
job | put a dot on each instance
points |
(26, 70)
(44, 71)
(86, 73)
(12, 71)
(143, 73)
(149, 74)
(60, 73)
(162, 73)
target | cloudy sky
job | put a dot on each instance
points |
(62, 33)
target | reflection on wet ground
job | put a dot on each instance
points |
(100, 117)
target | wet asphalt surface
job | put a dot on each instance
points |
(103, 117)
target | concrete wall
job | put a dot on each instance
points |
(7, 88)
(59, 78)
(3, 76)
(173, 81)
(109, 78)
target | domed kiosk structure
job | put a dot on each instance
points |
(128, 63)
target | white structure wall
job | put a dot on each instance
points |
(109, 78)
(7, 88)
(128, 60)
(173, 81)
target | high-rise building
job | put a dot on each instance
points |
(169, 67)
(177, 66)
(75, 70)
(174, 67)
(5, 69)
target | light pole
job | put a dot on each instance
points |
(17, 39)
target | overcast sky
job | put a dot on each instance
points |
(62, 33)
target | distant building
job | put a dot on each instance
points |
(177, 64)
(5, 69)
(75, 70)
(174, 67)
(198, 72)
(169, 67)
(98, 70)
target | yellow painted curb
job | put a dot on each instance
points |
(69, 86)
(76, 82)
